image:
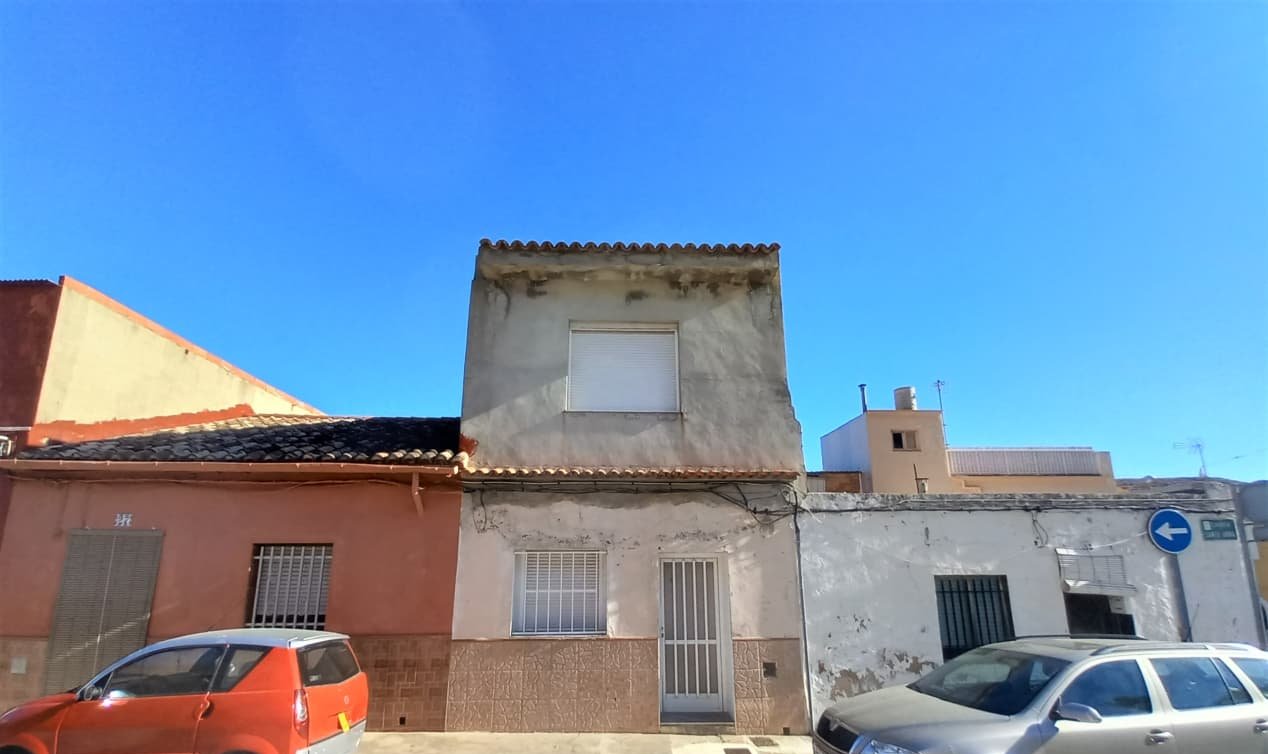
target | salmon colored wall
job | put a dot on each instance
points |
(28, 310)
(392, 571)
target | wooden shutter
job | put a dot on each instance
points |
(623, 370)
(103, 605)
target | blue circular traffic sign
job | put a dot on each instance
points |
(1170, 531)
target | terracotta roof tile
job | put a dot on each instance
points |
(280, 438)
(621, 247)
(630, 472)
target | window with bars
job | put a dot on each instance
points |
(623, 368)
(289, 584)
(559, 593)
(972, 611)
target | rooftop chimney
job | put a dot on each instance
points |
(863, 395)
(905, 398)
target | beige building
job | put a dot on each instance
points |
(904, 450)
(627, 557)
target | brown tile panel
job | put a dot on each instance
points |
(409, 679)
(21, 687)
(767, 705)
(554, 685)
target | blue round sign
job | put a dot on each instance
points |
(1170, 531)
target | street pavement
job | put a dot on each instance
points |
(578, 743)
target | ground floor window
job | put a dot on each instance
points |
(289, 586)
(1096, 614)
(559, 593)
(972, 611)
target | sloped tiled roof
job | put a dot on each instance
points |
(621, 247)
(278, 438)
(630, 472)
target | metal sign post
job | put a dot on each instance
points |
(1171, 532)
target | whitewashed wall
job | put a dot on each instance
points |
(868, 573)
(634, 530)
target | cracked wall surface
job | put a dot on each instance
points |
(869, 561)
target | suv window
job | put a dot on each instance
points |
(327, 663)
(1256, 670)
(1113, 689)
(239, 662)
(171, 672)
(1198, 683)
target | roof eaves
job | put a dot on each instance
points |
(570, 247)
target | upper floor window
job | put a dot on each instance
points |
(623, 368)
(904, 440)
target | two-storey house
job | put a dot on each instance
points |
(627, 555)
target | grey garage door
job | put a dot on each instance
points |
(103, 605)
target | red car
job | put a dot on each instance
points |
(243, 691)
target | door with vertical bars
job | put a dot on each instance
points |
(694, 639)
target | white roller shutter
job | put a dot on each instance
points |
(623, 370)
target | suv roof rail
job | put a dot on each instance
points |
(1128, 637)
(1175, 646)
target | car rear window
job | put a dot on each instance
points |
(327, 663)
(1198, 683)
(1256, 670)
(239, 662)
(993, 680)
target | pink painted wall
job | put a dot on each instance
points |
(392, 570)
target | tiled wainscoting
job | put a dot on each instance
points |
(408, 679)
(608, 685)
(769, 692)
(26, 656)
(600, 685)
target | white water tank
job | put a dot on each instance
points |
(905, 398)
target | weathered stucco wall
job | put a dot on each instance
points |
(28, 309)
(1034, 483)
(107, 362)
(871, 609)
(735, 406)
(892, 470)
(634, 530)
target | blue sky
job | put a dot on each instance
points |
(1059, 209)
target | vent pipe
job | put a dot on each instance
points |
(863, 395)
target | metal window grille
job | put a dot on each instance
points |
(972, 611)
(289, 586)
(1100, 573)
(559, 593)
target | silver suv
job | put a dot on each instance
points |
(1060, 695)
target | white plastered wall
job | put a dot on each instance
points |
(872, 616)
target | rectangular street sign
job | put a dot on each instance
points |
(1219, 528)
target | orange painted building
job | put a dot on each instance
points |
(348, 524)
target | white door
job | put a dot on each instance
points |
(694, 639)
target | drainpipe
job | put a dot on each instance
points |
(801, 602)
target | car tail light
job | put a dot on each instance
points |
(301, 713)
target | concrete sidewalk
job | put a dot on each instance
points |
(578, 743)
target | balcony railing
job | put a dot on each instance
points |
(1024, 461)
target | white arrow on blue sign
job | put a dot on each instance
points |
(1170, 531)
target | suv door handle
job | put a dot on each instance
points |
(1158, 737)
(1261, 726)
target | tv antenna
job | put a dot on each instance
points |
(938, 385)
(1195, 446)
